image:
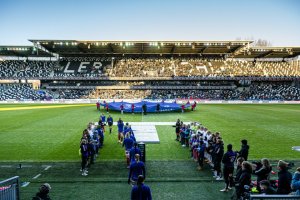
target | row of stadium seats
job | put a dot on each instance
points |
(154, 68)
(18, 92)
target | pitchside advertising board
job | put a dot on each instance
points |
(142, 147)
(73, 67)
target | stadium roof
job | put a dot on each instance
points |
(23, 51)
(82, 47)
(70, 48)
(268, 52)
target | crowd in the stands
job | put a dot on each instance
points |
(256, 91)
(200, 67)
(26, 69)
(154, 67)
(19, 92)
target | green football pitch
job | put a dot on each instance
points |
(38, 136)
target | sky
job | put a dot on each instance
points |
(277, 21)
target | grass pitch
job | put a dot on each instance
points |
(50, 135)
(53, 134)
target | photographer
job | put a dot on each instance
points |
(43, 193)
(262, 171)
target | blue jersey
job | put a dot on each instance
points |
(132, 137)
(110, 120)
(201, 150)
(103, 118)
(128, 143)
(132, 153)
(120, 126)
(141, 192)
(229, 158)
(136, 169)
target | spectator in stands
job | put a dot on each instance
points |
(296, 182)
(228, 168)
(284, 178)
(43, 193)
(136, 168)
(141, 191)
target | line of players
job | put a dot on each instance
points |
(208, 147)
(137, 170)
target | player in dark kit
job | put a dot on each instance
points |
(228, 161)
(144, 107)
(110, 122)
(158, 108)
(177, 129)
(98, 105)
(132, 108)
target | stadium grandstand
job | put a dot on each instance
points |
(204, 70)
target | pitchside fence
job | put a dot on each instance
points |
(9, 189)
(273, 197)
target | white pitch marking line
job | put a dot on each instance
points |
(37, 176)
(6, 166)
(25, 184)
(48, 167)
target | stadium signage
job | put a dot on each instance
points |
(81, 67)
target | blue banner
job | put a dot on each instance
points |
(150, 106)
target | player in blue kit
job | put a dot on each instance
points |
(128, 144)
(120, 125)
(141, 191)
(133, 151)
(137, 168)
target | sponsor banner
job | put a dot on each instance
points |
(240, 102)
(215, 102)
(291, 102)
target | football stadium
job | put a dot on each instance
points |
(149, 119)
